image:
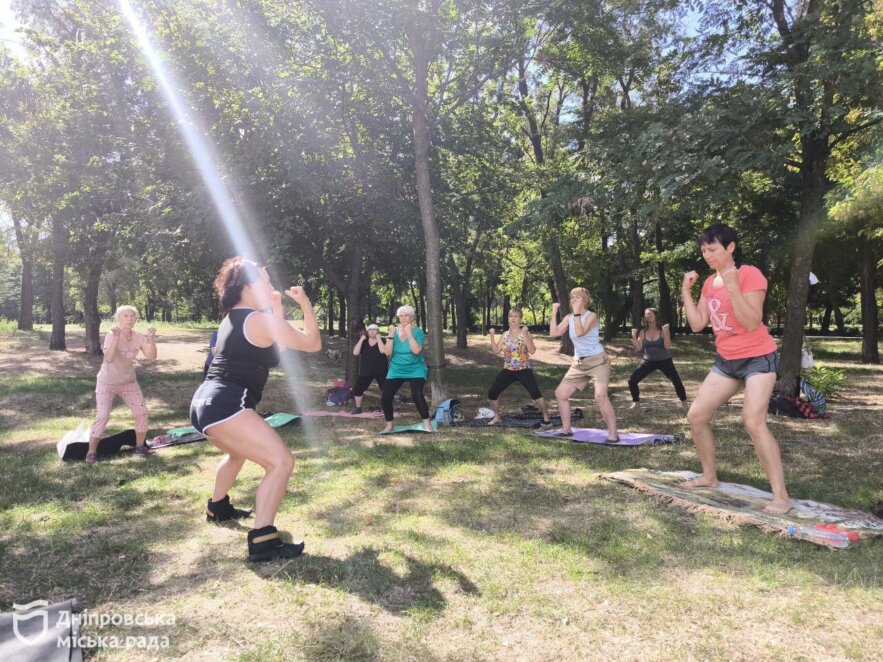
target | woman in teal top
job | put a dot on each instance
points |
(406, 364)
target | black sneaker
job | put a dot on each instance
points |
(264, 544)
(223, 510)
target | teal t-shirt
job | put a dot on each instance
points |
(404, 364)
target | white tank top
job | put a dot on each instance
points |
(588, 344)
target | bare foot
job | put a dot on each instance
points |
(635, 405)
(428, 427)
(778, 506)
(494, 421)
(388, 428)
(702, 481)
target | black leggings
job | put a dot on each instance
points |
(505, 378)
(645, 367)
(392, 386)
(363, 382)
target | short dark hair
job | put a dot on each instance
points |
(234, 275)
(723, 234)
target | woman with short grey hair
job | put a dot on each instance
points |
(406, 364)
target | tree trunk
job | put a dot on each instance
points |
(421, 306)
(418, 319)
(609, 313)
(814, 151)
(26, 299)
(341, 317)
(637, 279)
(59, 251)
(330, 315)
(26, 309)
(562, 288)
(839, 321)
(438, 374)
(112, 294)
(90, 307)
(486, 308)
(665, 307)
(870, 316)
(460, 296)
(826, 317)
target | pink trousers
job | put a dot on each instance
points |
(131, 395)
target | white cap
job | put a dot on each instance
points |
(372, 326)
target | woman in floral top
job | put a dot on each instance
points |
(517, 345)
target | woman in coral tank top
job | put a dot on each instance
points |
(732, 300)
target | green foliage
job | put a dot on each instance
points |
(827, 380)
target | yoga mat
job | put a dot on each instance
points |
(280, 419)
(597, 436)
(113, 445)
(188, 435)
(416, 427)
(343, 414)
(529, 420)
(819, 523)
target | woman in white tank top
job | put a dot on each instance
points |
(590, 361)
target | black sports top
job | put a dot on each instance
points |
(372, 361)
(237, 360)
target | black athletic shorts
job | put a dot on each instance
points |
(216, 401)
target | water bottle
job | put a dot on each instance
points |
(821, 537)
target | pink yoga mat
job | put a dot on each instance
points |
(596, 436)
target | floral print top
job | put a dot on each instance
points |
(515, 354)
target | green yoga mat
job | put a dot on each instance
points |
(280, 419)
(274, 421)
(416, 427)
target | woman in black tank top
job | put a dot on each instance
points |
(223, 407)
(653, 344)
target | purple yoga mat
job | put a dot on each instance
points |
(596, 436)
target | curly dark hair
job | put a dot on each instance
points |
(235, 274)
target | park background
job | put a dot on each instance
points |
(461, 157)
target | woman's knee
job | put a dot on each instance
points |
(697, 416)
(282, 461)
(234, 459)
(101, 422)
(755, 426)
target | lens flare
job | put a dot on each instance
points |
(206, 161)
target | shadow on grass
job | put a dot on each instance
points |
(363, 573)
(630, 534)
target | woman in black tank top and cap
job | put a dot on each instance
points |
(223, 408)
(653, 342)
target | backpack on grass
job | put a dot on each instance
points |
(448, 412)
(338, 396)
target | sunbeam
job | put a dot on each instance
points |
(202, 153)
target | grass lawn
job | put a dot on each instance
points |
(471, 544)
